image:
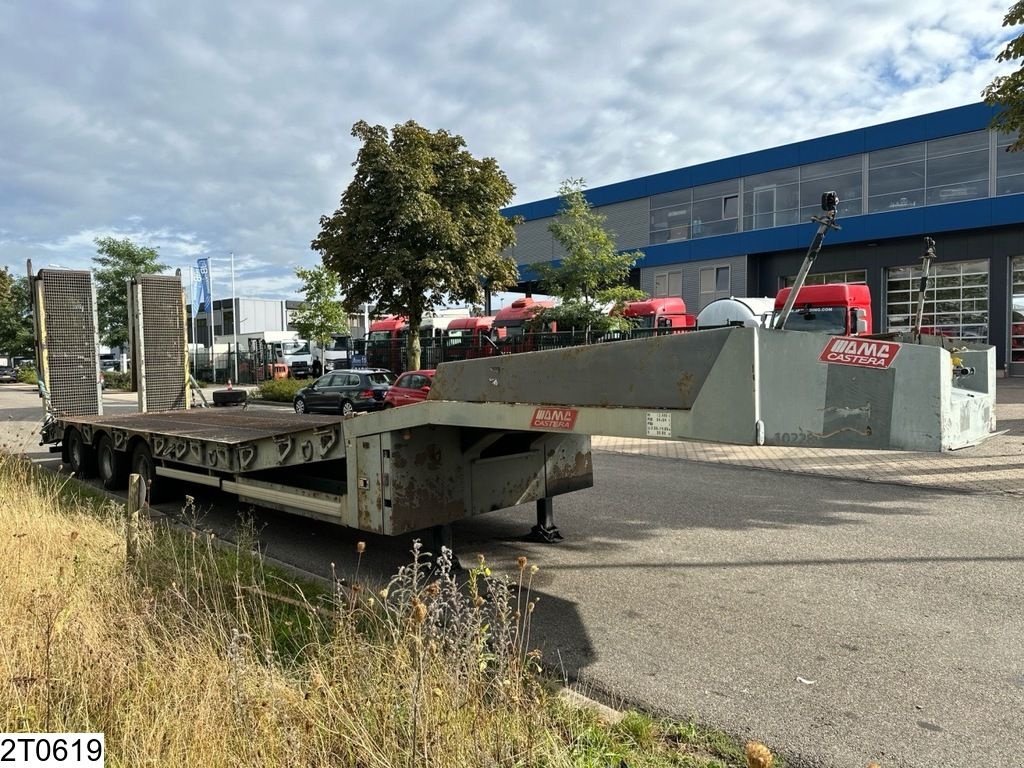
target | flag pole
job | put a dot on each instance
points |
(234, 314)
(213, 336)
(193, 307)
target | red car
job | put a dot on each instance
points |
(411, 387)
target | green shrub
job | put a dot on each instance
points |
(280, 390)
(27, 375)
(117, 380)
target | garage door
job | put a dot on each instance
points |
(956, 305)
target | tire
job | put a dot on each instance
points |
(229, 397)
(81, 457)
(346, 408)
(112, 465)
(143, 465)
(300, 405)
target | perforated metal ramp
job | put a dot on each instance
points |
(158, 342)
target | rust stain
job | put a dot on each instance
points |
(430, 457)
(684, 384)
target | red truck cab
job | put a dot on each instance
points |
(668, 314)
(839, 309)
(385, 341)
(510, 322)
(388, 328)
(467, 338)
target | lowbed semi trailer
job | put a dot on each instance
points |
(499, 433)
(505, 431)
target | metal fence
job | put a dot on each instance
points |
(392, 355)
(434, 351)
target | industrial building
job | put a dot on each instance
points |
(740, 226)
(255, 316)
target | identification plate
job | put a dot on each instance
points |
(554, 418)
(659, 424)
(865, 353)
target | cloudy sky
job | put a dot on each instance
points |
(205, 127)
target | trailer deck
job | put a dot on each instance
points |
(227, 426)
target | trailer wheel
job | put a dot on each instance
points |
(81, 457)
(112, 465)
(143, 466)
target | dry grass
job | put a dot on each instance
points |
(190, 659)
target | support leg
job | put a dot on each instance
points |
(545, 530)
(442, 536)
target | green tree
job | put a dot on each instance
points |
(593, 275)
(321, 313)
(1007, 91)
(419, 225)
(16, 334)
(116, 262)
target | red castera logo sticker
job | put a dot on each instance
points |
(865, 353)
(554, 418)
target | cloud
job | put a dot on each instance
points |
(211, 128)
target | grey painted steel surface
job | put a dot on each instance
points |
(747, 386)
(224, 441)
(67, 340)
(401, 470)
(430, 473)
(658, 372)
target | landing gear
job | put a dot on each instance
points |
(441, 536)
(545, 531)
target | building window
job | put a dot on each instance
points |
(939, 171)
(956, 304)
(668, 284)
(1009, 167)
(843, 176)
(957, 168)
(826, 278)
(1017, 311)
(771, 199)
(670, 216)
(896, 178)
(714, 284)
(710, 206)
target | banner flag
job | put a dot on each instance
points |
(203, 287)
(193, 285)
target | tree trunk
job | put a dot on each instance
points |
(412, 362)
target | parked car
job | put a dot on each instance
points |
(411, 387)
(8, 375)
(345, 392)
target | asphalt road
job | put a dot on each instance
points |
(839, 621)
